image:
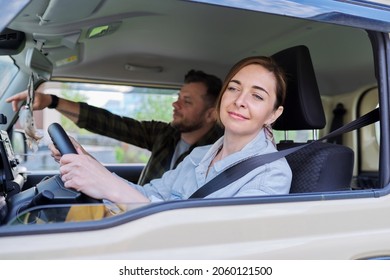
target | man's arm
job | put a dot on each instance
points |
(69, 109)
(66, 107)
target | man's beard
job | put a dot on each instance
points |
(183, 128)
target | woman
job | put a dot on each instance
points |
(250, 101)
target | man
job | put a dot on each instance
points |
(194, 122)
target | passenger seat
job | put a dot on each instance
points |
(320, 167)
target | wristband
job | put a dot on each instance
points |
(54, 101)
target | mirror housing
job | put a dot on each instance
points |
(39, 63)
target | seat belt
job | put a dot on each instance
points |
(238, 170)
(338, 114)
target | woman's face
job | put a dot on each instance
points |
(248, 102)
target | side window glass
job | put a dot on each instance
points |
(367, 157)
(8, 71)
(141, 103)
(377, 131)
(369, 135)
(299, 136)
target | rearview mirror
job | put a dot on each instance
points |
(39, 63)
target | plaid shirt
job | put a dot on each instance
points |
(158, 137)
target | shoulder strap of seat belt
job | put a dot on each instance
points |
(238, 170)
(338, 115)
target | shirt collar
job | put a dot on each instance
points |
(259, 145)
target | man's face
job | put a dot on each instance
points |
(189, 109)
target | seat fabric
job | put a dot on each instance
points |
(321, 166)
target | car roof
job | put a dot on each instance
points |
(157, 42)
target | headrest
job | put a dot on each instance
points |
(303, 107)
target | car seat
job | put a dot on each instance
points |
(320, 166)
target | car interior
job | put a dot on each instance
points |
(323, 166)
(150, 43)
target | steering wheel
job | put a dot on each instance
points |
(61, 139)
(61, 194)
(51, 190)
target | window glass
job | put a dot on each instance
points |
(378, 130)
(141, 103)
(299, 136)
(8, 71)
(63, 213)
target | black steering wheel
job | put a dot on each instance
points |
(60, 139)
(51, 190)
(63, 143)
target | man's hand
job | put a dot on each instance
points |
(41, 100)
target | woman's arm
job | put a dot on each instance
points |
(85, 174)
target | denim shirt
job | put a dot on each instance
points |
(192, 173)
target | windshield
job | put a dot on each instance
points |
(8, 71)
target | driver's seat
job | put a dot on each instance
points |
(320, 166)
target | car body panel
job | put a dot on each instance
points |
(362, 14)
(290, 230)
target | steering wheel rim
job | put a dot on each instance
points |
(60, 139)
(63, 143)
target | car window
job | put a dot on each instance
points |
(49, 214)
(8, 71)
(141, 103)
(295, 135)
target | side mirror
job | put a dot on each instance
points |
(39, 63)
(19, 145)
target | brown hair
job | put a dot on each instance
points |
(213, 84)
(269, 64)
